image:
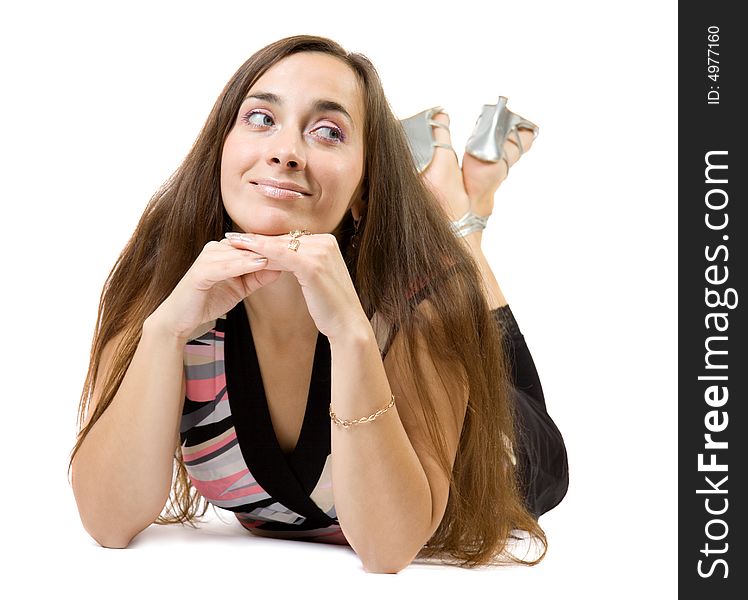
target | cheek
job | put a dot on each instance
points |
(233, 166)
(347, 174)
(236, 156)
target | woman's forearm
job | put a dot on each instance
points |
(122, 473)
(381, 492)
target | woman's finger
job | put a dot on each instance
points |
(276, 249)
(229, 249)
(221, 270)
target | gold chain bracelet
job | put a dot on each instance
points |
(347, 423)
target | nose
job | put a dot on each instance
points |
(286, 149)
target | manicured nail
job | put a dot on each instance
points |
(244, 237)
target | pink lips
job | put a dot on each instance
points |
(280, 189)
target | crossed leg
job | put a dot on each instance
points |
(541, 453)
(473, 186)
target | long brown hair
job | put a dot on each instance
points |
(403, 231)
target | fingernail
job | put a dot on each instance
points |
(244, 237)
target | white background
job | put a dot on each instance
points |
(100, 105)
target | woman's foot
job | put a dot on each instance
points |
(443, 175)
(481, 178)
(472, 187)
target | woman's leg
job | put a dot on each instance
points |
(542, 462)
(541, 456)
(471, 188)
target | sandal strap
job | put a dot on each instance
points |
(420, 135)
(469, 223)
(436, 144)
(434, 123)
(515, 129)
(441, 145)
(521, 123)
(496, 125)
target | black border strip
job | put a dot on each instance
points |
(712, 225)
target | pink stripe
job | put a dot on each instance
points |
(205, 390)
(199, 350)
(209, 449)
(216, 490)
(249, 524)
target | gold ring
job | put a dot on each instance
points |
(295, 235)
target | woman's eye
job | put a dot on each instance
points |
(260, 119)
(334, 134)
(250, 119)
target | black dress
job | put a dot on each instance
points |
(541, 454)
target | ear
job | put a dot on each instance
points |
(357, 208)
(358, 204)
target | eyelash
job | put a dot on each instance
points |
(338, 140)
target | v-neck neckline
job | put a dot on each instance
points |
(288, 478)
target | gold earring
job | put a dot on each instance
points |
(354, 237)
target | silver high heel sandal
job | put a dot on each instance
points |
(493, 127)
(419, 132)
(420, 135)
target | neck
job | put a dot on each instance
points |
(278, 311)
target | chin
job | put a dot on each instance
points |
(269, 223)
(264, 229)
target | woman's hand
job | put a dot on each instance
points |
(221, 277)
(320, 269)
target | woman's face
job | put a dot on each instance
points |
(300, 126)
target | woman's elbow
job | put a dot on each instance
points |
(384, 564)
(112, 542)
(109, 538)
(382, 568)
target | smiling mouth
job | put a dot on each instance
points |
(276, 192)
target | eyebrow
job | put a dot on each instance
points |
(320, 105)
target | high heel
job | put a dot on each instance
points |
(420, 134)
(493, 127)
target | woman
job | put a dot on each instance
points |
(352, 303)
